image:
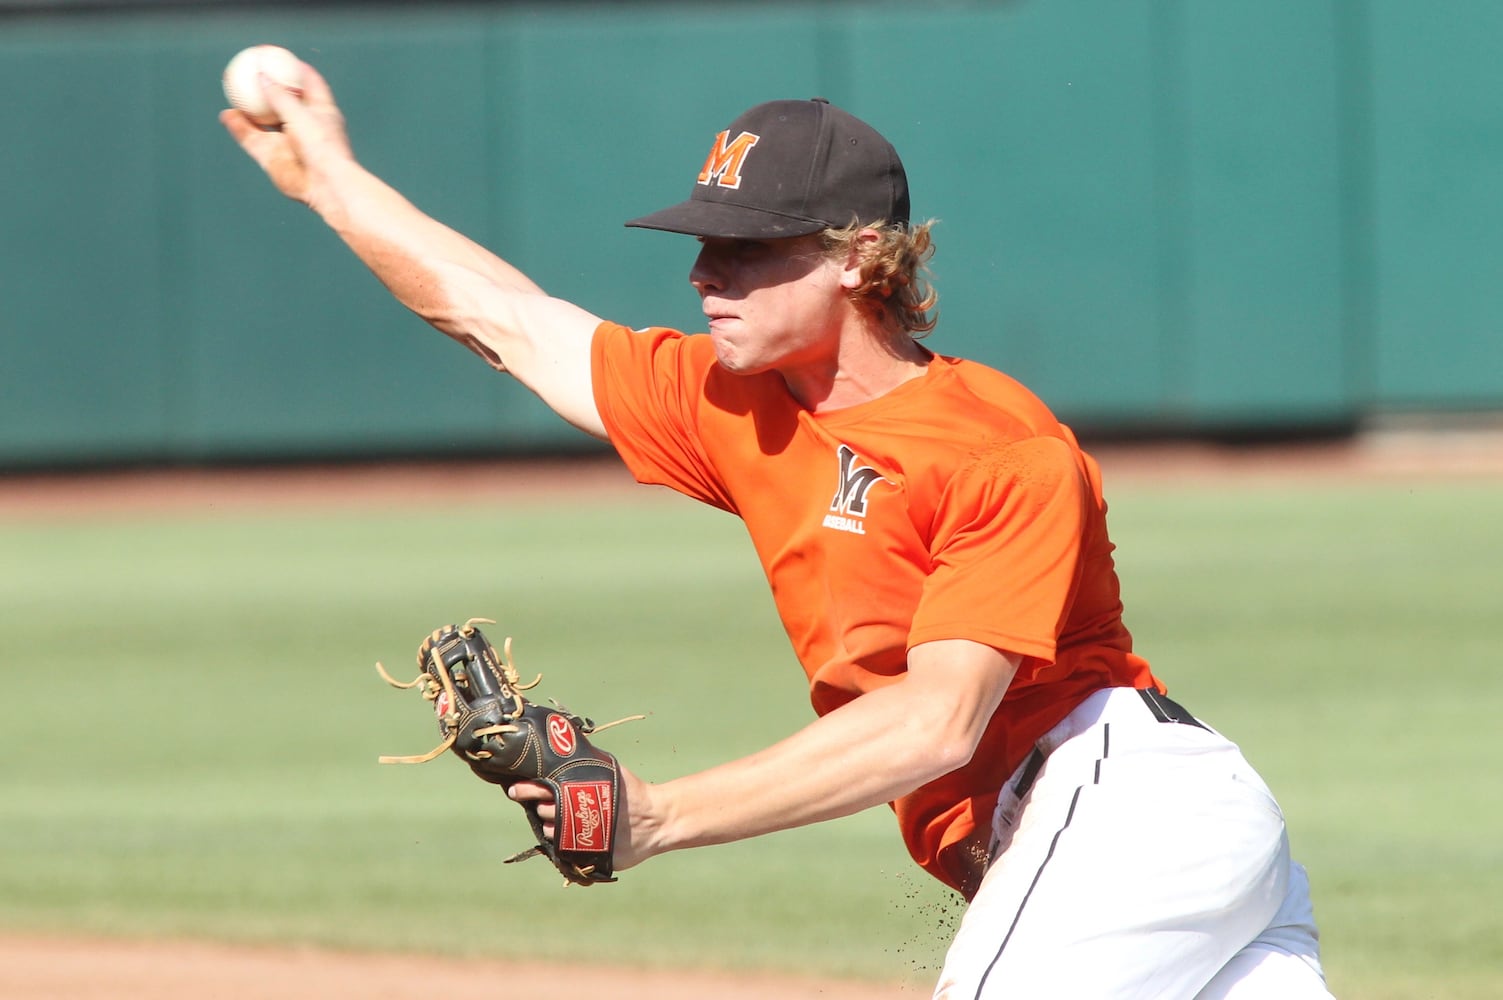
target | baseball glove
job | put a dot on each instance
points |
(505, 738)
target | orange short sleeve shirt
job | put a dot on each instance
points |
(956, 506)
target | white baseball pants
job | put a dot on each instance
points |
(1137, 855)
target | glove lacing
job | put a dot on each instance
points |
(432, 686)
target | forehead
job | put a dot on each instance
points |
(787, 244)
(804, 252)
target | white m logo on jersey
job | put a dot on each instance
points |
(855, 481)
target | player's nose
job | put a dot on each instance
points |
(706, 275)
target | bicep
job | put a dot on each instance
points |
(544, 343)
(964, 680)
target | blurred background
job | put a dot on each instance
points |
(1245, 218)
(1222, 222)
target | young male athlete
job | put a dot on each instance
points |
(936, 544)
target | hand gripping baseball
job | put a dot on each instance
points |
(297, 154)
(504, 738)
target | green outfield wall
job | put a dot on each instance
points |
(1176, 216)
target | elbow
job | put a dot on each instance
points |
(952, 755)
(944, 744)
(953, 689)
(474, 344)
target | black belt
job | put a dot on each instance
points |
(1167, 710)
(1164, 709)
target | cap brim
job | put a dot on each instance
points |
(711, 218)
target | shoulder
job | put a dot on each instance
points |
(1012, 436)
(998, 390)
(652, 357)
(1041, 462)
(613, 341)
(660, 368)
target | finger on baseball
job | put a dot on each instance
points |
(286, 102)
(316, 89)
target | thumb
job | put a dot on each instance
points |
(261, 145)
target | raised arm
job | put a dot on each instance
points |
(450, 281)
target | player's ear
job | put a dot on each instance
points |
(853, 271)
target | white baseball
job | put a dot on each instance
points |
(243, 89)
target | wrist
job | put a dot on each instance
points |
(333, 185)
(641, 830)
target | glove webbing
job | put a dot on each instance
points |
(443, 684)
(513, 687)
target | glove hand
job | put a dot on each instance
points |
(509, 741)
(634, 822)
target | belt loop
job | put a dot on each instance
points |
(1029, 774)
(1167, 710)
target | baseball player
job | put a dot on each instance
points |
(936, 543)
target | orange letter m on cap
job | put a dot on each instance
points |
(723, 165)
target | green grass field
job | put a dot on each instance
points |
(192, 719)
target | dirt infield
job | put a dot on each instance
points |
(55, 969)
(34, 968)
(1406, 455)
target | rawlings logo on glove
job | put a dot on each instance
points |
(504, 738)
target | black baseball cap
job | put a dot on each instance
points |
(790, 168)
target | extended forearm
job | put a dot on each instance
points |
(868, 753)
(449, 280)
(465, 291)
(430, 268)
(877, 748)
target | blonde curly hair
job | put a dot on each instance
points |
(895, 288)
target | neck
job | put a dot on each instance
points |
(862, 370)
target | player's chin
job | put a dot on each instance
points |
(732, 359)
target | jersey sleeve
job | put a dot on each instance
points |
(1006, 551)
(648, 390)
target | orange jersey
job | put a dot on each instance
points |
(954, 507)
